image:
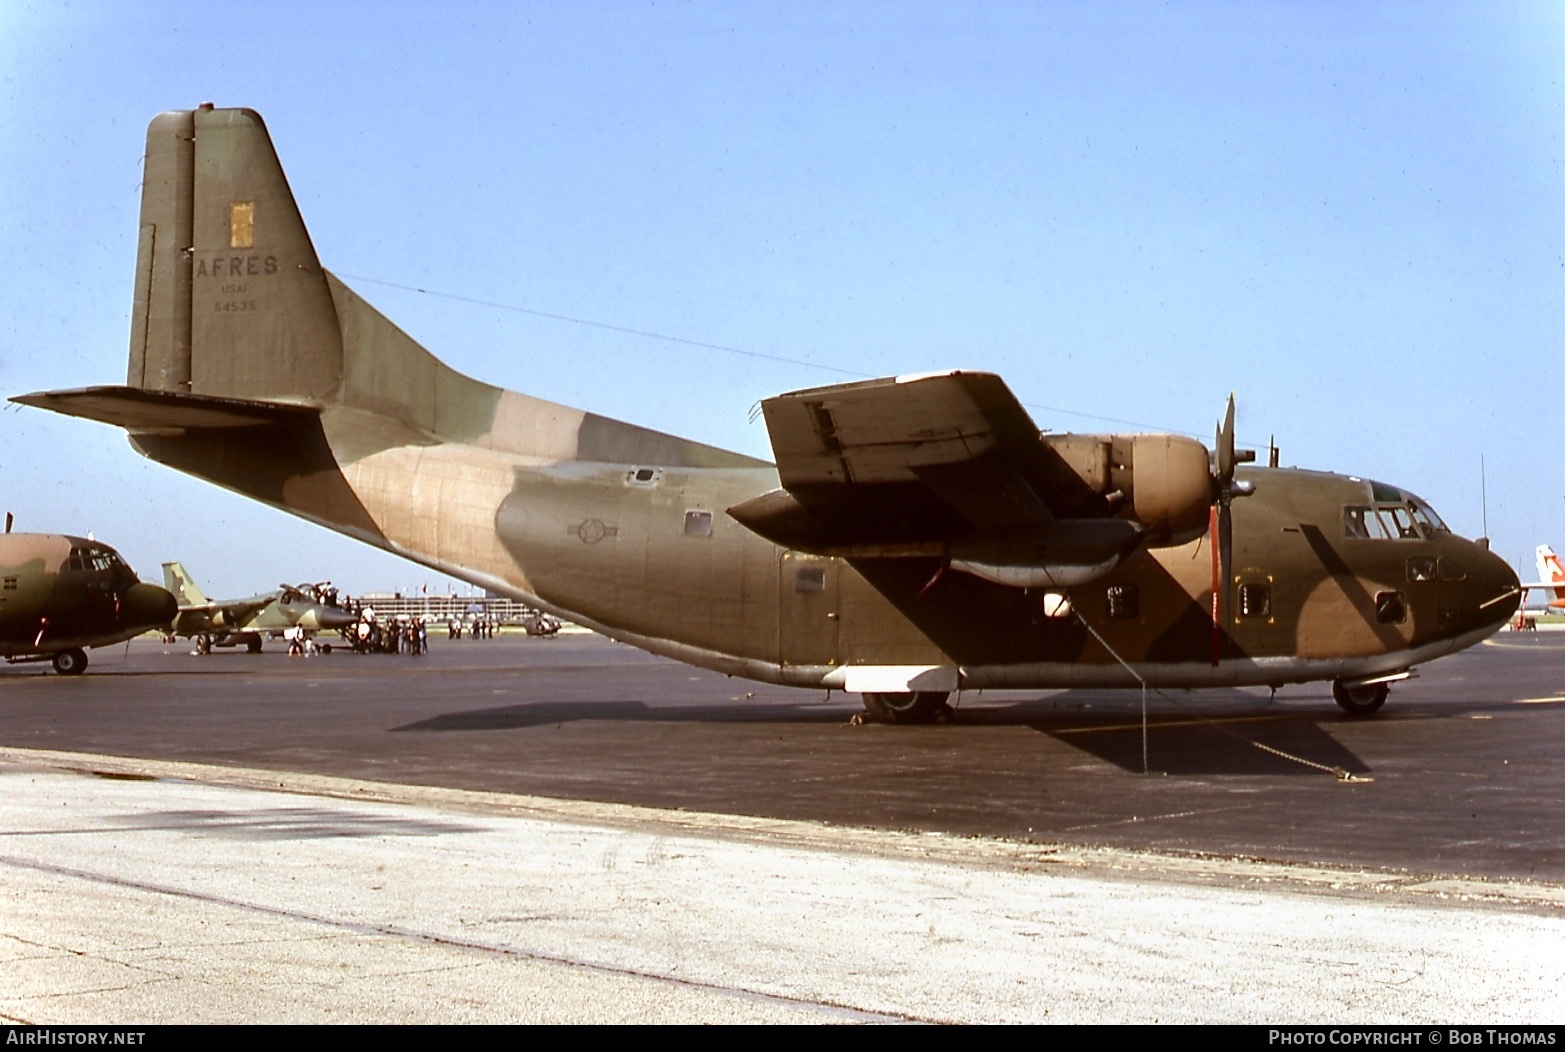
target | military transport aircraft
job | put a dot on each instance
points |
(61, 594)
(232, 622)
(918, 535)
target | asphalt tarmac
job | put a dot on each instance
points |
(1459, 774)
(568, 830)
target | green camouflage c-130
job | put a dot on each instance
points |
(918, 535)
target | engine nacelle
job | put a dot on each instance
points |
(1162, 482)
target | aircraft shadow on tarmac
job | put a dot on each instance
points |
(1213, 733)
(1225, 733)
(287, 823)
(549, 713)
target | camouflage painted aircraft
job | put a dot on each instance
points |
(60, 595)
(917, 535)
(232, 622)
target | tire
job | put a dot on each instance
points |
(253, 645)
(203, 644)
(70, 662)
(1360, 701)
(924, 706)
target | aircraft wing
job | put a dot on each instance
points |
(232, 613)
(956, 446)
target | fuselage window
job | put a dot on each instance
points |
(1255, 600)
(1451, 570)
(77, 560)
(1390, 608)
(810, 579)
(10, 584)
(1124, 600)
(1421, 568)
(698, 524)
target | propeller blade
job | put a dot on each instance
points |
(1225, 559)
(1217, 572)
(1225, 445)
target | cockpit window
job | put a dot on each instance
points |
(1402, 520)
(1425, 516)
(1363, 523)
(93, 559)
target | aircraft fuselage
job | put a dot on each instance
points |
(647, 554)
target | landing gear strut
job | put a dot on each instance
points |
(923, 706)
(70, 662)
(1362, 700)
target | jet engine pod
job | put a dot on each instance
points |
(1171, 484)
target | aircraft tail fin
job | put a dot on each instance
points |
(176, 580)
(1552, 574)
(232, 303)
(230, 300)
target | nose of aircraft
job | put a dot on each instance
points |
(148, 605)
(332, 618)
(1495, 586)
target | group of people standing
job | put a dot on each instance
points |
(478, 628)
(400, 635)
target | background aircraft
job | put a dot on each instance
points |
(61, 594)
(917, 535)
(231, 622)
(1551, 582)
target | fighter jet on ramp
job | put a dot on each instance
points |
(232, 622)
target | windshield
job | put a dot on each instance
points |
(1405, 518)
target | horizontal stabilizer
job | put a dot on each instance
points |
(140, 409)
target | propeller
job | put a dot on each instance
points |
(1224, 489)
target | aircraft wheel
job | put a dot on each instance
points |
(203, 644)
(253, 646)
(924, 706)
(70, 662)
(1363, 700)
(325, 648)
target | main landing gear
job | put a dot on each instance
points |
(922, 706)
(70, 662)
(1364, 699)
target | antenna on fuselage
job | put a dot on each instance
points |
(9, 518)
(1483, 495)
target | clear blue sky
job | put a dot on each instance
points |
(1351, 215)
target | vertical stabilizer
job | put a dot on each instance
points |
(230, 299)
(236, 329)
(1552, 574)
(176, 580)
